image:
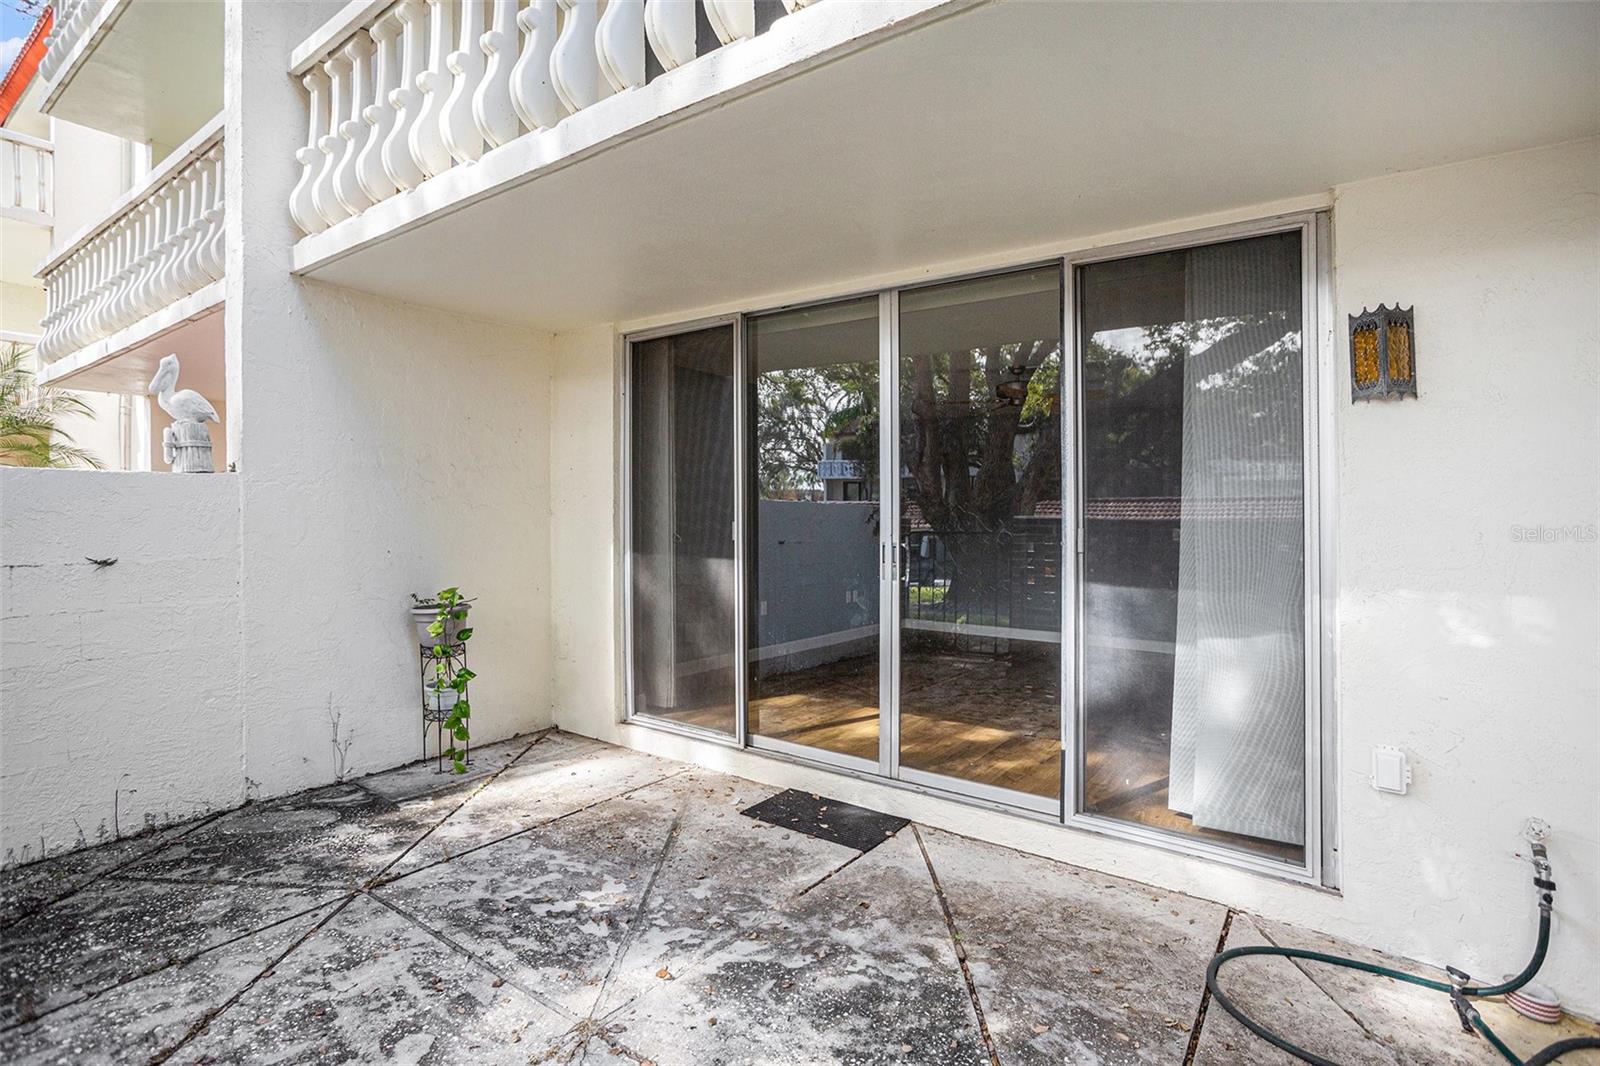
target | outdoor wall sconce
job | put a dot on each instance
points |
(1383, 353)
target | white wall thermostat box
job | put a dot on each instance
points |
(1390, 770)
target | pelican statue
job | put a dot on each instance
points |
(184, 406)
(186, 444)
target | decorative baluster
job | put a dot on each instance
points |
(139, 284)
(427, 136)
(406, 98)
(122, 310)
(353, 130)
(532, 93)
(211, 252)
(99, 319)
(380, 114)
(301, 208)
(327, 202)
(619, 44)
(85, 303)
(491, 104)
(171, 244)
(669, 27)
(574, 67)
(466, 63)
(190, 276)
(734, 20)
(110, 304)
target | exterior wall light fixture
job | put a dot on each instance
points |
(1383, 353)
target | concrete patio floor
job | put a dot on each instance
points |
(571, 902)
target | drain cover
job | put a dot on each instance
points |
(826, 819)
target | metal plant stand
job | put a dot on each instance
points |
(456, 655)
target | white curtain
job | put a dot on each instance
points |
(1238, 703)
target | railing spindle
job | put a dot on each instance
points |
(428, 149)
(491, 105)
(532, 92)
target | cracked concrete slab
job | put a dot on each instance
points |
(337, 836)
(1417, 1023)
(1072, 965)
(719, 879)
(425, 779)
(552, 907)
(580, 903)
(560, 774)
(1278, 995)
(26, 889)
(116, 929)
(134, 1021)
(368, 986)
(860, 969)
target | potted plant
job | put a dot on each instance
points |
(425, 611)
(443, 633)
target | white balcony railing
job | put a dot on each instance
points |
(73, 18)
(834, 469)
(420, 86)
(161, 242)
(27, 177)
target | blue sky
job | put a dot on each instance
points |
(14, 28)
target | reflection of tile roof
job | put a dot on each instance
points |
(1159, 509)
(1173, 508)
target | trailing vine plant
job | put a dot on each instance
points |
(452, 607)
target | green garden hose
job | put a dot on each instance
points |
(1460, 992)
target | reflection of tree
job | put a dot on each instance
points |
(976, 459)
(798, 411)
(1135, 397)
(978, 455)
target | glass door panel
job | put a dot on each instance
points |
(979, 534)
(683, 599)
(813, 529)
(1193, 602)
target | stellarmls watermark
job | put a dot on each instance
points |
(1543, 534)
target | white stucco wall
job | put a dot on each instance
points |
(383, 450)
(1474, 651)
(1469, 647)
(90, 173)
(119, 683)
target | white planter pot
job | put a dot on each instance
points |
(423, 617)
(442, 700)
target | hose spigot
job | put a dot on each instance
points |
(1458, 998)
(1536, 831)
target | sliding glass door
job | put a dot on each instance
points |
(812, 531)
(1194, 558)
(1041, 538)
(683, 600)
(979, 536)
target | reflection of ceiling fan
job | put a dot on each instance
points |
(1013, 390)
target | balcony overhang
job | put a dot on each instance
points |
(967, 130)
(126, 361)
(141, 69)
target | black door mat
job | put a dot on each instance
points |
(826, 819)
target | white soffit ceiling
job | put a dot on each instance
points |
(1005, 126)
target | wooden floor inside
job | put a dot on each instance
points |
(985, 718)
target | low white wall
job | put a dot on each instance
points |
(1471, 648)
(382, 450)
(119, 683)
